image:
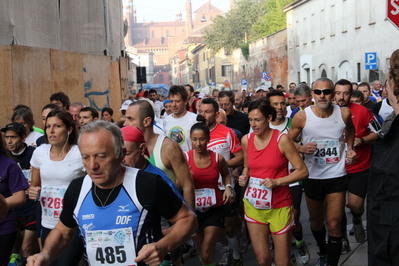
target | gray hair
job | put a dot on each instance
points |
(117, 138)
(75, 104)
(302, 89)
(326, 80)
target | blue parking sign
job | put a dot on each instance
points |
(371, 61)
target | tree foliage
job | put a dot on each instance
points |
(273, 20)
(228, 31)
(250, 20)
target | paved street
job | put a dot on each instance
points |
(357, 257)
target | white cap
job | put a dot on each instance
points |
(125, 105)
(261, 88)
(201, 95)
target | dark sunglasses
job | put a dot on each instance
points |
(325, 92)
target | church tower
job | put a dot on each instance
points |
(189, 17)
(178, 15)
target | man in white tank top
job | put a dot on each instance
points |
(322, 127)
(168, 155)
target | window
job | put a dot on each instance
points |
(322, 23)
(226, 70)
(332, 21)
(152, 34)
(160, 78)
(344, 16)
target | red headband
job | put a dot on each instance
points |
(132, 134)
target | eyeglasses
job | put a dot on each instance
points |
(325, 92)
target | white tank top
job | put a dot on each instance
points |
(328, 161)
(385, 110)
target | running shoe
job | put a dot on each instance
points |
(15, 260)
(345, 246)
(293, 259)
(227, 257)
(238, 262)
(190, 252)
(322, 261)
(360, 233)
(304, 255)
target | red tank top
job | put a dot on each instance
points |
(270, 163)
(206, 177)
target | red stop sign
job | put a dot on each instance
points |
(393, 12)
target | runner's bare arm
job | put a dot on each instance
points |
(242, 180)
(174, 158)
(34, 189)
(298, 123)
(56, 242)
(184, 225)
(349, 133)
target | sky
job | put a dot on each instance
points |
(165, 10)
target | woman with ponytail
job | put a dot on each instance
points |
(205, 167)
(54, 166)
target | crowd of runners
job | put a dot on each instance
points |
(176, 175)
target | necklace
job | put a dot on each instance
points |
(105, 202)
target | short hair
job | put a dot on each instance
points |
(62, 97)
(201, 125)
(292, 83)
(215, 90)
(107, 109)
(302, 89)
(145, 110)
(215, 105)
(116, 133)
(364, 84)
(344, 82)
(191, 87)
(51, 106)
(263, 105)
(94, 112)
(274, 93)
(178, 89)
(229, 94)
(76, 104)
(323, 79)
(152, 91)
(67, 119)
(20, 106)
(24, 114)
(358, 94)
(279, 86)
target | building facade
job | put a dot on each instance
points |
(330, 38)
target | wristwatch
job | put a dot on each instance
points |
(362, 140)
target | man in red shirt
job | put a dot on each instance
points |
(367, 129)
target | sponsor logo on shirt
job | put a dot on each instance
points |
(123, 208)
(88, 216)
